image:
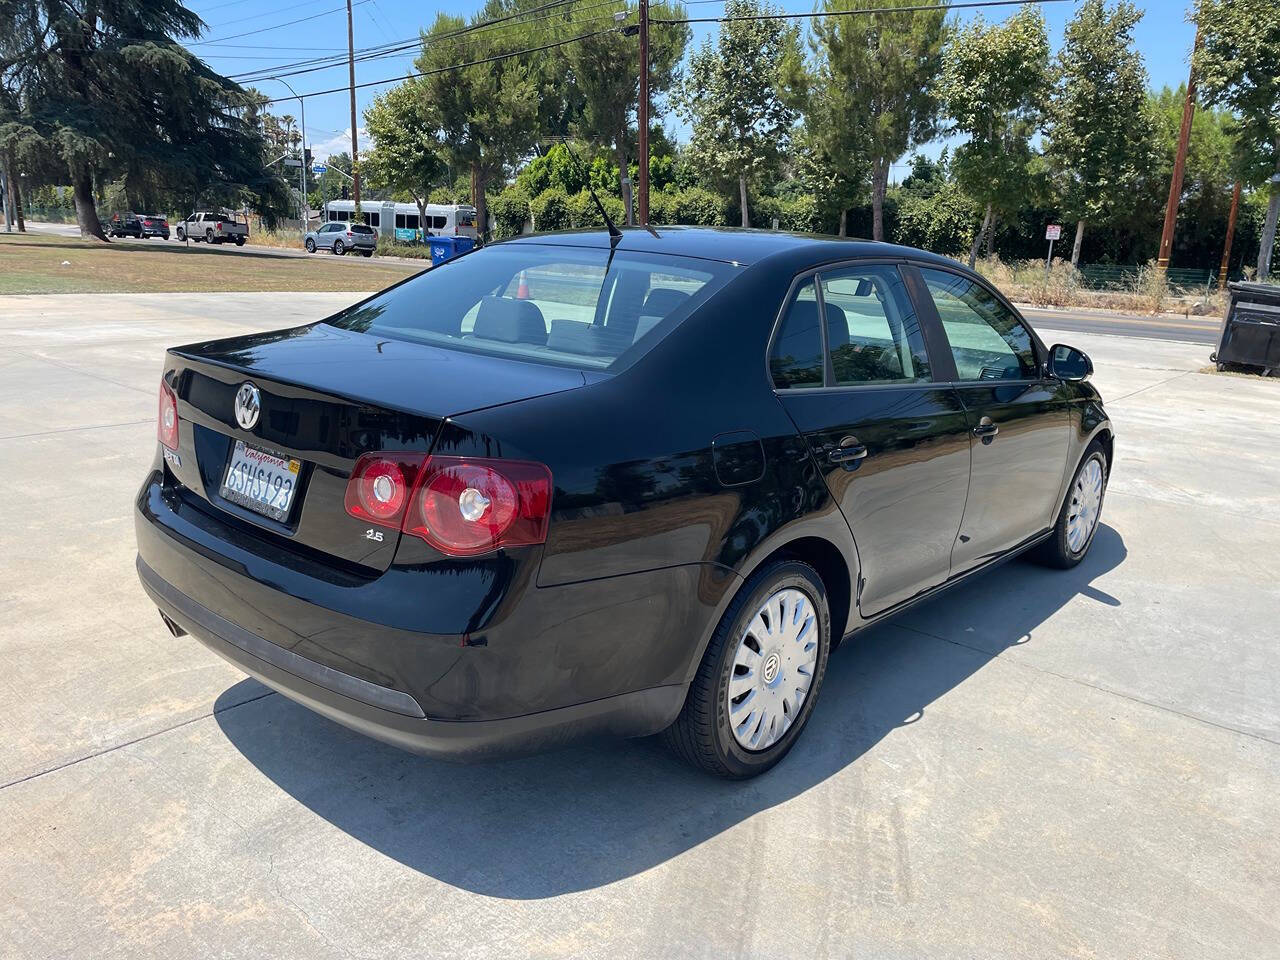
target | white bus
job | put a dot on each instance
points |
(401, 221)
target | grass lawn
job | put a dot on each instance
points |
(38, 263)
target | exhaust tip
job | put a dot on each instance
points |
(174, 629)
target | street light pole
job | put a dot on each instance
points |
(643, 112)
(303, 212)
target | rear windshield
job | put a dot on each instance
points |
(360, 228)
(551, 304)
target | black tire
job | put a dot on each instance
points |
(701, 734)
(310, 245)
(1056, 551)
(366, 253)
(182, 237)
(240, 241)
(339, 248)
(208, 235)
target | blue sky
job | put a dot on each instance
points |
(1164, 37)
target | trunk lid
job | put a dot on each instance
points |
(326, 396)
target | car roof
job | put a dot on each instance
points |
(737, 245)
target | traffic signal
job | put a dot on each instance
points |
(306, 158)
(345, 192)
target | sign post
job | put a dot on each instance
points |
(1051, 233)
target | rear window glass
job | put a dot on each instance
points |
(552, 304)
(360, 228)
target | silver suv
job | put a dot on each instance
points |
(341, 237)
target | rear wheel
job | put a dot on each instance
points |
(366, 253)
(208, 235)
(310, 245)
(1078, 519)
(760, 675)
(240, 241)
(339, 248)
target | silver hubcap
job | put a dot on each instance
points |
(772, 669)
(1086, 502)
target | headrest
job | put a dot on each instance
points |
(806, 312)
(510, 321)
(663, 301)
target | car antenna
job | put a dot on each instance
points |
(614, 233)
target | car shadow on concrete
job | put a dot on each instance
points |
(589, 815)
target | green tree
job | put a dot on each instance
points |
(732, 97)
(487, 117)
(604, 84)
(406, 155)
(1238, 67)
(889, 64)
(108, 90)
(1100, 131)
(993, 79)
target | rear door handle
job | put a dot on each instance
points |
(986, 429)
(849, 449)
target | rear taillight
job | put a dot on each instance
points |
(348, 233)
(146, 223)
(462, 506)
(167, 421)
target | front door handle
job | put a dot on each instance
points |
(986, 430)
(850, 449)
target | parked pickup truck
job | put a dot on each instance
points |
(214, 228)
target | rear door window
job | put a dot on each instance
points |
(873, 333)
(796, 358)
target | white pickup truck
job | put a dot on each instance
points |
(214, 228)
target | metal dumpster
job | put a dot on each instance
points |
(1251, 331)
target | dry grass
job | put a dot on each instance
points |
(1028, 282)
(33, 263)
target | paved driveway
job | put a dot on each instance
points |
(1038, 764)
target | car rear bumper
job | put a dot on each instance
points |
(395, 717)
(447, 658)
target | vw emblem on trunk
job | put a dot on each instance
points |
(248, 406)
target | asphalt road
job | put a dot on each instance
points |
(1038, 764)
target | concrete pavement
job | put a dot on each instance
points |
(1037, 764)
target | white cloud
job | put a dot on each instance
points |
(321, 149)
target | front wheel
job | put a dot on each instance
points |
(1078, 519)
(181, 235)
(339, 248)
(310, 245)
(760, 675)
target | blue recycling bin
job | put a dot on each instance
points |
(446, 248)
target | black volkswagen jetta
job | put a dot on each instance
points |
(568, 484)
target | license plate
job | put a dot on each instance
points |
(260, 480)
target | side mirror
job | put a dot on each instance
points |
(1068, 363)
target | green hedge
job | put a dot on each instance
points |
(583, 210)
(510, 211)
(551, 211)
(693, 206)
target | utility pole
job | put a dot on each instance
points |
(643, 112)
(4, 202)
(351, 70)
(1231, 230)
(1179, 165)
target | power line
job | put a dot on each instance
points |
(259, 16)
(457, 66)
(315, 64)
(867, 11)
(277, 26)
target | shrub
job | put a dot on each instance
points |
(662, 205)
(510, 212)
(699, 207)
(390, 248)
(803, 214)
(551, 211)
(582, 209)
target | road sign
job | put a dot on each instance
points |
(318, 169)
(292, 162)
(1053, 232)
